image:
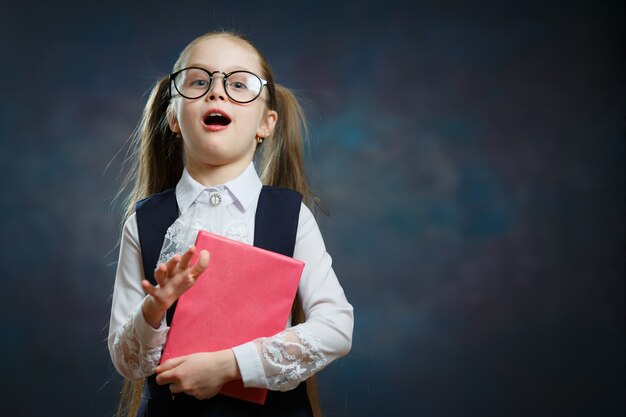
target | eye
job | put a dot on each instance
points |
(237, 85)
(195, 78)
(200, 83)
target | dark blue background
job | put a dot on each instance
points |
(471, 155)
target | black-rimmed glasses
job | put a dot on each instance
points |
(240, 86)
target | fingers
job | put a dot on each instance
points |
(174, 277)
(201, 264)
(167, 374)
(169, 364)
(167, 377)
(147, 287)
(160, 274)
(186, 258)
(172, 264)
(176, 388)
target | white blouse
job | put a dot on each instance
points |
(280, 362)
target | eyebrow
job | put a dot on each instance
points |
(235, 68)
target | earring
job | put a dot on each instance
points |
(259, 139)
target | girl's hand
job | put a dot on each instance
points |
(200, 375)
(174, 278)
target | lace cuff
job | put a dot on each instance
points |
(290, 357)
(136, 348)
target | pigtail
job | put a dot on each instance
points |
(156, 153)
(283, 165)
(130, 398)
(283, 161)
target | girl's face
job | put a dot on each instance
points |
(229, 140)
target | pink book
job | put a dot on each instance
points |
(245, 293)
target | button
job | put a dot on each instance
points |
(215, 199)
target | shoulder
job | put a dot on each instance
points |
(129, 230)
(156, 199)
(306, 220)
(278, 201)
(285, 193)
(290, 198)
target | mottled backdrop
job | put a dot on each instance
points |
(471, 155)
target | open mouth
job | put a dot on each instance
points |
(216, 118)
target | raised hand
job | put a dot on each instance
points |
(173, 279)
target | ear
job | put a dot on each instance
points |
(267, 124)
(172, 121)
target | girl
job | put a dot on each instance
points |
(195, 146)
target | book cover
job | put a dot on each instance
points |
(245, 293)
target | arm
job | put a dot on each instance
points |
(283, 361)
(137, 331)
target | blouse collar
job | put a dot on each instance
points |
(243, 189)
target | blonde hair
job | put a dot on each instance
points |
(158, 158)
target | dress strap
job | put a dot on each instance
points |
(155, 215)
(276, 221)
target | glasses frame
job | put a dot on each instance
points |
(226, 75)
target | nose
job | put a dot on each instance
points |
(216, 91)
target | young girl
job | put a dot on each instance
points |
(195, 145)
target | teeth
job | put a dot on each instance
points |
(215, 114)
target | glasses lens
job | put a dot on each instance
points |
(192, 82)
(243, 86)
